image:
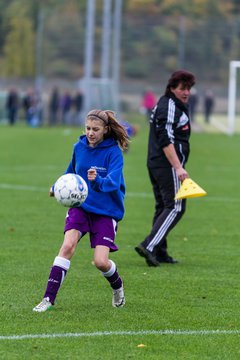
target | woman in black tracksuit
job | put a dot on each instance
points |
(168, 151)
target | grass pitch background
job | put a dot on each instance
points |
(197, 296)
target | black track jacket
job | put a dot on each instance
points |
(169, 123)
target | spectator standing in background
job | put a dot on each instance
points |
(12, 105)
(37, 109)
(148, 102)
(54, 106)
(208, 105)
(33, 107)
(78, 106)
(28, 103)
(66, 104)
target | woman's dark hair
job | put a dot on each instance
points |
(186, 78)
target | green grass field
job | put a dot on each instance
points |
(184, 311)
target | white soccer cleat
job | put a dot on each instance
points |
(118, 297)
(43, 306)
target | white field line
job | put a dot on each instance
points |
(22, 187)
(128, 194)
(123, 333)
(28, 168)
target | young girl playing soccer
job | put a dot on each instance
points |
(98, 159)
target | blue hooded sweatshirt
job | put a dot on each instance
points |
(106, 193)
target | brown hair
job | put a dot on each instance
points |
(115, 130)
(180, 76)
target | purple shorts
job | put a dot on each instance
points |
(102, 229)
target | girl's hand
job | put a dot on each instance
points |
(91, 174)
(51, 192)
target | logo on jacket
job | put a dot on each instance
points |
(99, 168)
(183, 121)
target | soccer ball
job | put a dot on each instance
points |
(70, 190)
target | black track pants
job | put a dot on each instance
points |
(168, 211)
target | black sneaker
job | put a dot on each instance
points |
(150, 258)
(166, 259)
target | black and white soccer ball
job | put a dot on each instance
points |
(70, 190)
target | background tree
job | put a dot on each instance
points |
(157, 36)
(19, 47)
